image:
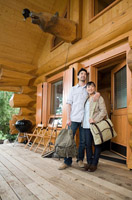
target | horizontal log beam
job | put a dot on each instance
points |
(27, 90)
(26, 117)
(10, 88)
(3, 84)
(27, 111)
(16, 82)
(13, 129)
(20, 67)
(40, 79)
(15, 75)
(21, 100)
(121, 25)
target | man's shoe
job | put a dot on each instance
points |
(63, 166)
(92, 168)
(86, 166)
(80, 164)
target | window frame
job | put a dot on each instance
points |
(50, 81)
(92, 17)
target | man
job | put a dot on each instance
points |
(75, 113)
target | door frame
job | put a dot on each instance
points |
(104, 59)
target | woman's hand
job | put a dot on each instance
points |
(91, 121)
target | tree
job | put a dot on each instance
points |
(6, 113)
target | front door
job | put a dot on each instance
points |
(119, 107)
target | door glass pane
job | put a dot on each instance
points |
(120, 88)
(56, 98)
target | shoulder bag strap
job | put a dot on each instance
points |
(100, 134)
(110, 127)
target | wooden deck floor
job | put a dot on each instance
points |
(25, 175)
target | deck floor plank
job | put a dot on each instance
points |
(38, 191)
(71, 183)
(29, 183)
(20, 189)
(66, 177)
(122, 191)
(5, 190)
(39, 178)
(52, 189)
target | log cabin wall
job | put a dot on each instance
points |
(108, 31)
(110, 24)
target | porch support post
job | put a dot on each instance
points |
(129, 110)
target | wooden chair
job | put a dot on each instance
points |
(47, 139)
(33, 136)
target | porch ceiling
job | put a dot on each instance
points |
(22, 41)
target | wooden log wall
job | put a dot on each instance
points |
(109, 30)
(27, 104)
(17, 78)
(110, 25)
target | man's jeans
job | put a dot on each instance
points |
(87, 141)
(74, 127)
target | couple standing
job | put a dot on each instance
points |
(79, 109)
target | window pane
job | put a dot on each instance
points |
(100, 5)
(56, 98)
(120, 89)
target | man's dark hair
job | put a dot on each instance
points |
(82, 69)
(91, 83)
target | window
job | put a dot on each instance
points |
(120, 88)
(56, 98)
(100, 6)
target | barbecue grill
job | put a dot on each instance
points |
(23, 126)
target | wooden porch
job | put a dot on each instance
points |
(25, 175)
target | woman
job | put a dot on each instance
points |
(98, 113)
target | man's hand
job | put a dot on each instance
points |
(68, 122)
(91, 121)
(96, 96)
(68, 115)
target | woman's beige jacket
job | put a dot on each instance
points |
(99, 112)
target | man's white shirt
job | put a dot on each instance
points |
(76, 99)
